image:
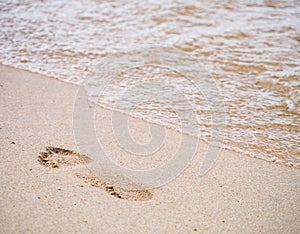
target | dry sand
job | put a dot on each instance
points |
(49, 190)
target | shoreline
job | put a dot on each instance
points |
(239, 193)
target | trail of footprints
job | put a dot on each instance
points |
(55, 157)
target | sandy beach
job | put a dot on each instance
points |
(42, 195)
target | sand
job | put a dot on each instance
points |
(47, 188)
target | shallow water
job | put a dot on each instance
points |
(250, 49)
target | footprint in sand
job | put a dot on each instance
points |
(55, 157)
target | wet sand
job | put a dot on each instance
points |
(249, 49)
(40, 193)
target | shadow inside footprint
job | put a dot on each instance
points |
(55, 157)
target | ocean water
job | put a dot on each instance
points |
(250, 51)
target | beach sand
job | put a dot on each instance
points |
(50, 190)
